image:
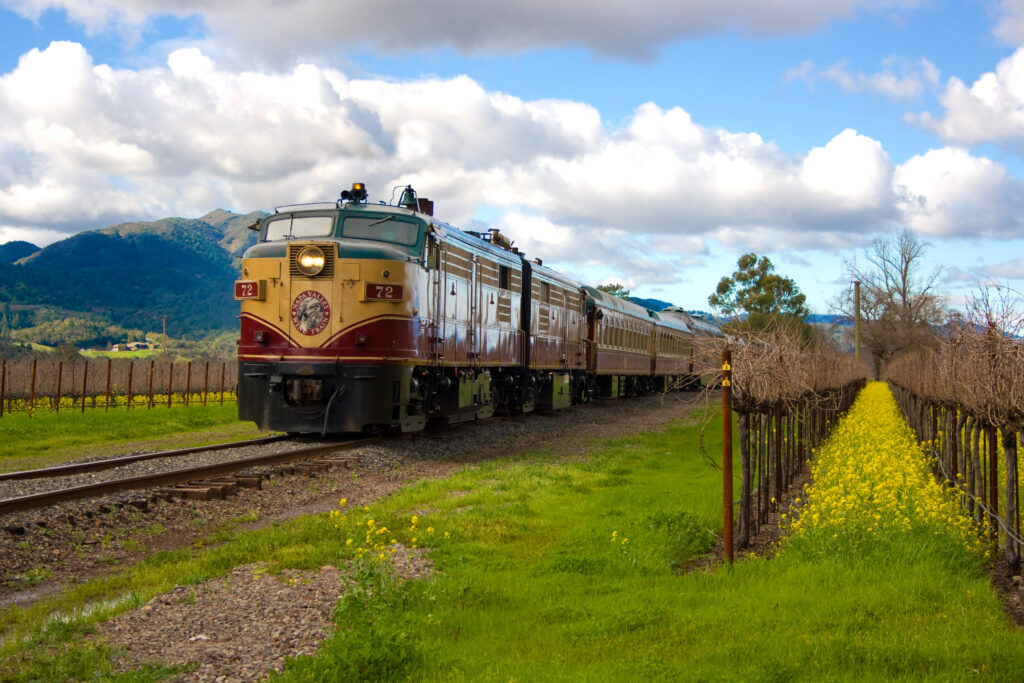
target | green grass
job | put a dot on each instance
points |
(49, 438)
(566, 569)
(143, 353)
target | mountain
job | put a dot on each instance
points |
(132, 274)
(650, 304)
(12, 251)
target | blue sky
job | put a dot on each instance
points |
(650, 147)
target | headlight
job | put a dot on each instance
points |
(310, 261)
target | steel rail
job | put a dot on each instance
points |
(110, 463)
(169, 478)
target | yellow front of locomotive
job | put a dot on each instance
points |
(330, 300)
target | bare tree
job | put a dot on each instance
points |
(900, 304)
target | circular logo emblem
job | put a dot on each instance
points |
(310, 312)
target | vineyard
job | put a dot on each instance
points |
(961, 398)
(29, 384)
(965, 401)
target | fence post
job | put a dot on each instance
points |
(60, 377)
(223, 365)
(131, 372)
(109, 363)
(746, 479)
(1011, 552)
(3, 385)
(170, 384)
(149, 395)
(778, 453)
(32, 390)
(993, 479)
(85, 376)
(188, 382)
(727, 452)
(206, 382)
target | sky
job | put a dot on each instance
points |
(648, 143)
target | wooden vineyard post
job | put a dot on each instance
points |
(3, 385)
(727, 453)
(188, 382)
(85, 378)
(746, 479)
(993, 481)
(32, 390)
(60, 377)
(149, 395)
(778, 453)
(131, 371)
(223, 367)
(170, 384)
(1012, 550)
(106, 406)
(206, 382)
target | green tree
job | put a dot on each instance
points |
(5, 321)
(615, 289)
(765, 300)
(757, 290)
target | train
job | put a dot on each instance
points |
(364, 317)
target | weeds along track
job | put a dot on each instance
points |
(192, 471)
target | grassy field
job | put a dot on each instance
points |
(48, 438)
(554, 568)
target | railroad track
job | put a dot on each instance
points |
(198, 477)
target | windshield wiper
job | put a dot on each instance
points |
(380, 221)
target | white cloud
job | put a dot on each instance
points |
(1013, 268)
(1010, 25)
(899, 79)
(947, 192)
(990, 110)
(85, 145)
(282, 31)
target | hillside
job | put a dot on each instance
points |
(12, 251)
(129, 275)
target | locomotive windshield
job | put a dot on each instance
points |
(291, 227)
(384, 228)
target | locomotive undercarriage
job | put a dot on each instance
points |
(333, 398)
(328, 398)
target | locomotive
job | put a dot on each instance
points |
(359, 317)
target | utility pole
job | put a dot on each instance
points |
(856, 318)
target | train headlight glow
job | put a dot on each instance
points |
(310, 261)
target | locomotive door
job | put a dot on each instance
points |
(440, 304)
(563, 327)
(473, 328)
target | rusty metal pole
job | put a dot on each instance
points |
(727, 453)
